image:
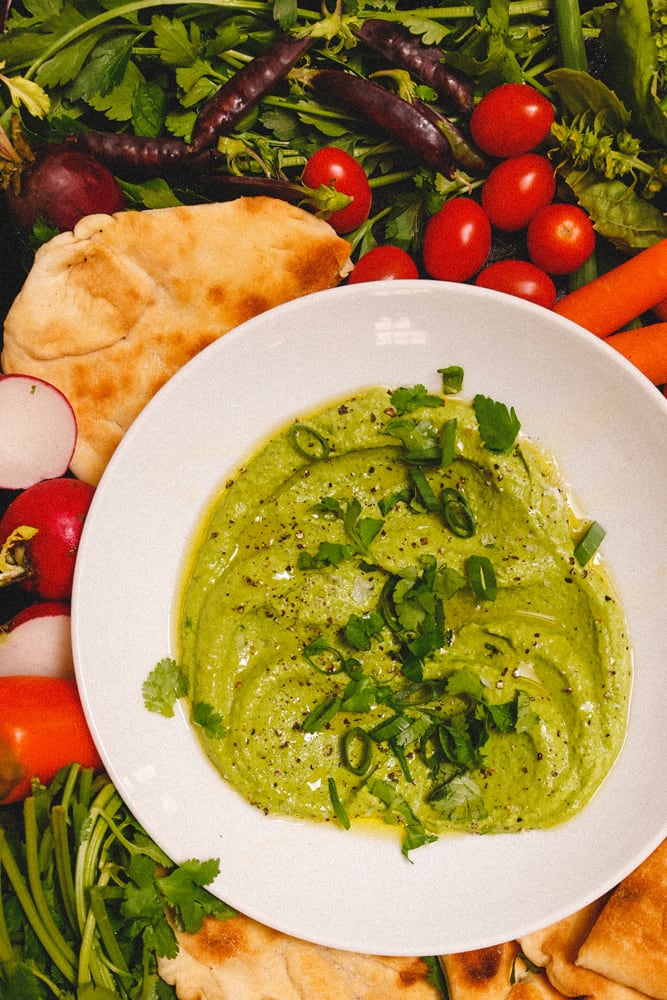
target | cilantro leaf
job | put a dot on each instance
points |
(421, 440)
(184, 889)
(498, 425)
(359, 630)
(205, 716)
(406, 400)
(328, 554)
(165, 684)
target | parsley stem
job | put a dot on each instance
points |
(62, 862)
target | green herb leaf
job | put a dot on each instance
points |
(498, 425)
(407, 400)
(360, 629)
(165, 684)
(206, 717)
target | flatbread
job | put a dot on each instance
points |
(628, 941)
(556, 948)
(110, 311)
(240, 959)
(495, 973)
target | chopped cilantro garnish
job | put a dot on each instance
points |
(165, 684)
(210, 721)
(498, 425)
(407, 400)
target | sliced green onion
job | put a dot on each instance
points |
(482, 578)
(338, 806)
(309, 442)
(319, 647)
(321, 715)
(589, 543)
(452, 379)
(390, 728)
(448, 442)
(457, 513)
(424, 491)
(357, 750)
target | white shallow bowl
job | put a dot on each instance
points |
(607, 427)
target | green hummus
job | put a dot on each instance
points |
(364, 665)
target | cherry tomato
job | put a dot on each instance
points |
(516, 188)
(457, 240)
(42, 728)
(511, 119)
(520, 278)
(331, 165)
(383, 264)
(560, 238)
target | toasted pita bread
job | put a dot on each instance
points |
(111, 310)
(495, 973)
(556, 948)
(628, 941)
(240, 959)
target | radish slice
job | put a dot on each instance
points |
(37, 431)
(38, 641)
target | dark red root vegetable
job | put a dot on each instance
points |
(239, 95)
(424, 62)
(60, 186)
(140, 157)
(409, 123)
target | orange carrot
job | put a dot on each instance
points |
(646, 348)
(611, 300)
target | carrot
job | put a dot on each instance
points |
(646, 348)
(611, 300)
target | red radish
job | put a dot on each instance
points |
(38, 641)
(40, 531)
(62, 185)
(37, 431)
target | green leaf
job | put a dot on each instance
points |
(407, 400)
(148, 109)
(206, 717)
(104, 69)
(178, 43)
(328, 554)
(184, 889)
(498, 425)
(581, 93)
(29, 94)
(359, 630)
(165, 684)
(420, 438)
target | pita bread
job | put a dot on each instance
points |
(495, 973)
(628, 941)
(240, 959)
(110, 311)
(556, 948)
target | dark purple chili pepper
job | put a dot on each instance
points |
(424, 62)
(5, 11)
(140, 157)
(407, 122)
(223, 187)
(466, 154)
(222, 113)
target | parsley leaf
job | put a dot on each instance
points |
(498, 425)
(184, 889)
(165, 684)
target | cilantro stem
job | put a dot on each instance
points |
(19, 886)
(6, 950)
(35, 881)
(63, 865)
